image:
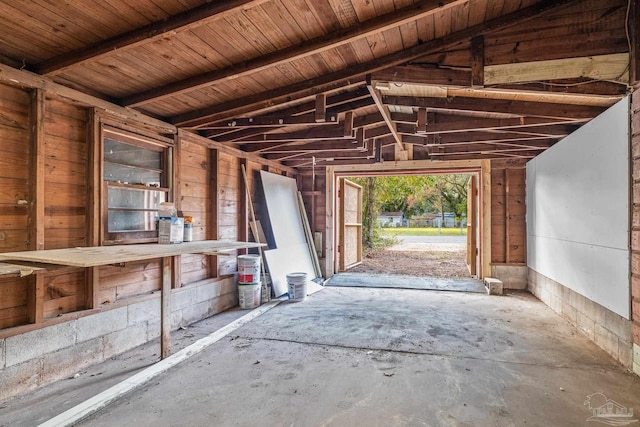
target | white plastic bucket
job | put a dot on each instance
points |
(249, 295)
(297, 283)
(248, 268)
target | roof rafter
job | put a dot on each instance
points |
(357, 73)
(318, 45)
(206, 13)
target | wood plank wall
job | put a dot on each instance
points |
(195, 201)
(49, 207)
(508, 227)
(314, 201)
(14, 188)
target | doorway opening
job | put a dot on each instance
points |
(415, 230)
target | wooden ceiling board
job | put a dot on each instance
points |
(286, 23)
(442, 21)
(326, 15)
(460, 17)
(409, 34)
(477, 11)
(345, 12)
(426, 28)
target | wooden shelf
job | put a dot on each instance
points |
(105, 255)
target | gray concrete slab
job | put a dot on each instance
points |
(386, 357)
(366, 280)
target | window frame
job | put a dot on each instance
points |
(155, 143)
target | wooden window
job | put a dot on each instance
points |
(135, 176)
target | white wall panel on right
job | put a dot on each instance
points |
(578, 210)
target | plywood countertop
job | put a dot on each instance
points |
(104, 255)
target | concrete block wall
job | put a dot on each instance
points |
(635, 226)
(511, 276)
(608, 330)
(36, 358)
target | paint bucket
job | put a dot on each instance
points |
(249, 295)
(297, 286)
(248, 268)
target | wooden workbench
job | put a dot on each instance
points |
(105, 255)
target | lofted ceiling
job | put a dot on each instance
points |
(339, 81)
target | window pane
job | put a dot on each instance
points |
(132, 221)
(133, 155)
(130, 175)
(135, 199)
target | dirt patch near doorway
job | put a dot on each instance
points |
(429, 262)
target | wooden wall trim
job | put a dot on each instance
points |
(485, 220)
(37, 170)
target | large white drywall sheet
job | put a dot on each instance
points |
(292, 252)
(578, 210)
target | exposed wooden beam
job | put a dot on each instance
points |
(421, 120)
(603, 67)
(468, 140)
(316, 146)
(441, 123)
(321, 108)
(423, 74)
(336, 110)
(533, 109)
(311, 47)
(205, 14)
(477, 61)
(356, 73)
(348, 124)
(384, 111)
(317, 134)
(276, 121)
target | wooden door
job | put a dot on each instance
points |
(350, 225)
(472, 217)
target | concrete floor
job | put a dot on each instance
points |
(380, 357)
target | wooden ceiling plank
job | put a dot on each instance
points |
(611, 67)
(206, 13)
(356, 73)
(317, 45)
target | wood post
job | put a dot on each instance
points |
(165, 308)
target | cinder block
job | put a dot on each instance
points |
(618, 325)
(197, 312)
(625, 353)
(19, 379)
(569, 312)
(512, 277)
(3, 354)
(153, 329)
(586, 325)
(66, 362)
(606, 340)
(123, 340)
(176, 319)
(556, 303)
(636, 358)
(493, 286)
(182, 298)
(208, 291)
(97, 325)
(30, 345)
(143, 312)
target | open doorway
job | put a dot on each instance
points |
(419, 229)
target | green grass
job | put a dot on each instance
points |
(431, 231)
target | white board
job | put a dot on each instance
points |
(578, 210)
(292, 251)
